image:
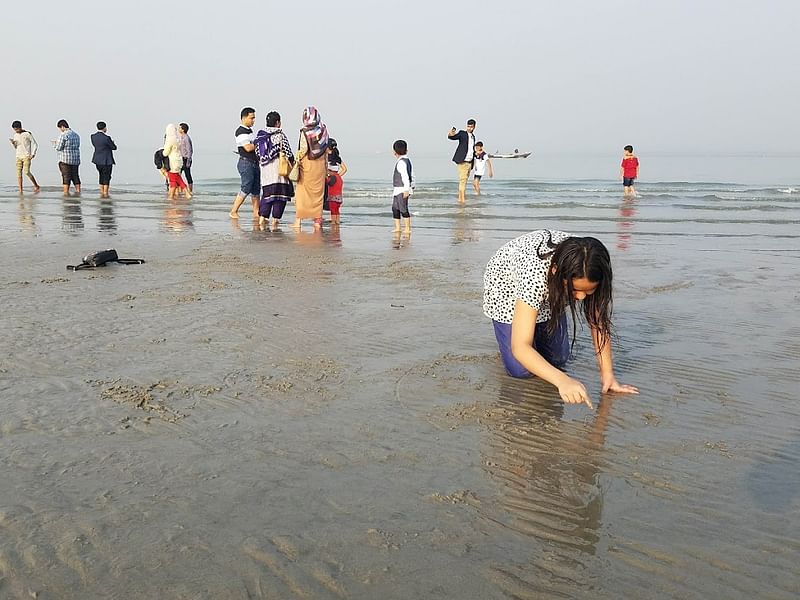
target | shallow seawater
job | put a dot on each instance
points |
(256, 414)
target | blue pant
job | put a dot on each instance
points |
(554, 349)
(250, 173)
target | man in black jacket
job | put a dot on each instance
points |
(103, 157)
(465, 154)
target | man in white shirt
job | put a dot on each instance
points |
(26, 149)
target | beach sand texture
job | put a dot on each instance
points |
(278, 415)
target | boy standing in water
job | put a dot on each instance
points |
(629, 170)
(482, 163)
(403, 182)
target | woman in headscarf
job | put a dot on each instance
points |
(172, 151)
(276, 190)
(313, 168)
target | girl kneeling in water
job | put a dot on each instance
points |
(528, 285)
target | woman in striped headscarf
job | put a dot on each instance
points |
(313, 168)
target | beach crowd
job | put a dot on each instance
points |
(530, 284)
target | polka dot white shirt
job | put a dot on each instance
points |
(519, 271)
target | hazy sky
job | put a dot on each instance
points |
(570, 76)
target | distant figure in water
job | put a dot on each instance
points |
(482, 164)
(629, 170)
(529, 284)
(464, 155)
(402, 186)
(25, 147)
(172, 151)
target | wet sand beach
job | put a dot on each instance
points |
(256, 414)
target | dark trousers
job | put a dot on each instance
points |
(104, 173)
(554, 349)
(69, 173)
(273, 208)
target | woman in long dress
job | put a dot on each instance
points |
(276, 190)
(313, 168)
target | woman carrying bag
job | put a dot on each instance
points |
(275, 159)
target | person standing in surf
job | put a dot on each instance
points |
(402, 186)
(249, 170)
(529, 285)
(464, 156)
(482, 164)
(629, 170)
(25, 148)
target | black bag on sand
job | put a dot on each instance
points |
(103, 257)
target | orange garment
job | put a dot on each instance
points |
(310, 189)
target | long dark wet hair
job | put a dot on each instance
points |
(575, 258)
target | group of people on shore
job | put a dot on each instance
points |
(174, 160)
(530, 283)
(272, 173)
(176, 157)
(68, 149)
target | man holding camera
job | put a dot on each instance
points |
(464, 155)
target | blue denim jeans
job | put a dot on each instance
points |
(250, 173)
(554, 349)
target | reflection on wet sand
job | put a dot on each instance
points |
(72, 217)
(401, 240)
(627, 210)
(27, 220)
(464, 229)
(105, 216)
(308, 238)
(177, 216)
(334, 235)
(547, 471)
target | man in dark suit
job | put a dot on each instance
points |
(103, 157)
(464, 156)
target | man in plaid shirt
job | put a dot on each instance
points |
(68, 147)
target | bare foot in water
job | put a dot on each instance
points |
(233, 215)
(296, 224)
(37, 189)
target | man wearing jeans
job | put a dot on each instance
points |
(464, 155)
(248, 164)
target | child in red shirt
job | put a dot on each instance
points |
(629, 171)
(335, 185)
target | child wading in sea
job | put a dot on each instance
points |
(629, 170)
(482, 164)
(529, 284)
(334, 184)
(403, 182)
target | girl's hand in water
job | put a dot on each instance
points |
(614, 386)
(573, 392)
